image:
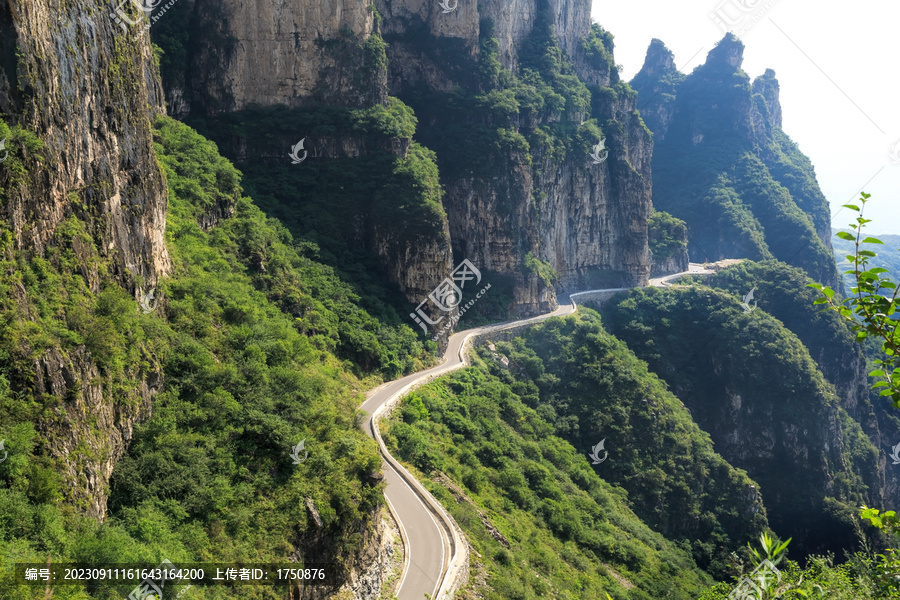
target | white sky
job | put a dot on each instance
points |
(839, 79)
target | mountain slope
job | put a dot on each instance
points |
(239, 379)
(569, 378)
(753, 386)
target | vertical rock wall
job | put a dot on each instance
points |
(88, 89)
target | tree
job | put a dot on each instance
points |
(871, 307)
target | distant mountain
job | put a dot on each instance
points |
(723, 164)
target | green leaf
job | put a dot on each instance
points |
(853, 206)
(846, 236)
(871, 240)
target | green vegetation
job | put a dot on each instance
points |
(668, 235)
(20, 146)
(541, 268)
(752, 384)
(570, 382)
(781, 291)
(506, 119)
(820, 580)
(872, 306)
(256, 347)
(886, 572)
(888, 258)
(394, 197)
(542, 521)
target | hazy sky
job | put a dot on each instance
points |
(836, 63)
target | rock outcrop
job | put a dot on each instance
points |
(86, 87)
(82, 85)
(271, 53)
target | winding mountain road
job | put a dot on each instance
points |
(433, 546)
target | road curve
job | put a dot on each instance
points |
(432, 545)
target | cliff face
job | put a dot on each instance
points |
(75, 80)
(584, 220)
(587, 221)
(82, 86)
(237, 58)
(454, 35)
(725, 166)
(269, 53)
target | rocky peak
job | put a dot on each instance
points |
(658, 62)
(728, 52)
(657, 84)
(766, 85)
(725, 138)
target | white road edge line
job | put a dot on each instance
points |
(403, 535)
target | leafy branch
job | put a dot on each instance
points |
(871, 307)
(887, 570)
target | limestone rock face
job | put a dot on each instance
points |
(89, 419)
(767, 86)
(676, 263)
(269, 52)
(368, 573)
(82, 85)
(589, 222)
(88, 89)
(514, 21)
(408, 21)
